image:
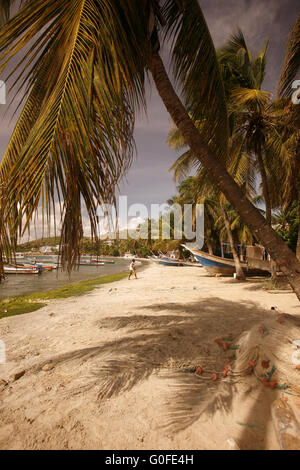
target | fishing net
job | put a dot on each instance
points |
(271, 350)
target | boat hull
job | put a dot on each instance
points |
(222, 266)
(15, 270)
(215, 267)
(170, 262)
(215, 264)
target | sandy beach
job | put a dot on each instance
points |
(115, 358)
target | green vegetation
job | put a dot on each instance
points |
(24, 304)
(286, 222)
(37, 244)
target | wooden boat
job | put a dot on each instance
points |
(105, 261)
(45, 267)
(170, 262)
(224, 266)
(215, 264)
(15, 269)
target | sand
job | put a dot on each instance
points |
(117, 355)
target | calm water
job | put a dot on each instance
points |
(22, 284)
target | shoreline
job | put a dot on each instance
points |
(116, 357)
(21, 304)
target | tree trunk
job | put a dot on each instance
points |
(298, 239)
(276, 247)
(266, 195)
(209, 247)
(264, 180)
(238, 268)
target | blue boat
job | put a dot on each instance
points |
(170, 262)
(225, 266)
(215, 264)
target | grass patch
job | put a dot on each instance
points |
(24, 304)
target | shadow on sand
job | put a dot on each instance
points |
(178, 335)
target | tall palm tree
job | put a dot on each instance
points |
(289, 179)
(85, 67)
(251, 108)
(204, 189)
(190, 191)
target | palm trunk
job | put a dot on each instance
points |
(209, 247)
(267, 200)
(298, 239)
(265, 186)
(238, 268)
(276, 247)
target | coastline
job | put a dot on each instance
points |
(117, 356)
(21, 304)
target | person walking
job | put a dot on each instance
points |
(132, 270)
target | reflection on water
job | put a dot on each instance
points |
(22, 284)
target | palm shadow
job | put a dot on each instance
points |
(175, 337)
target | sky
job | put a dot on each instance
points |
(149, 180)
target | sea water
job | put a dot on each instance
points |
(23, 284)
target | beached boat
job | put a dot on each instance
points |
(215, 264)
(224, 266)
(105, 261)
(170, 262)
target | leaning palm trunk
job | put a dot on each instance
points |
(298, 239)
(238, 268)
(266, 195)
(265, 186)
(276, 247)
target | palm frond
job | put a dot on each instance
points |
(74, 138)
(196, 70)
(250, 97)
(291, 62)
(259, 66)
(175, 139)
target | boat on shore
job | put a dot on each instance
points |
(102, 261)
(170, 262)
(224, 266)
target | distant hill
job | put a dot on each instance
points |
(36, 244)
(48, 241)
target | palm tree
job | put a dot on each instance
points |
(86, 66)
(191, 192)
(204, 191)
(289, 179)
(253, 116)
